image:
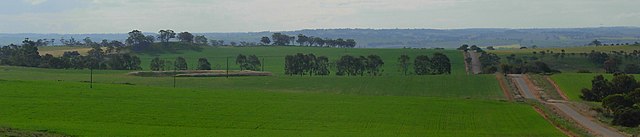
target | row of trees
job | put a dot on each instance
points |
(303, 64)
(309, 64)
(27, 55)
(251, 62)
(524, 64)
(303, 40)
(620, 98)
(423, 65)
(180, 63)
(353, 66)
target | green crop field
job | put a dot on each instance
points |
(120, 110)
(274, 56)
(572, 83)
(60, 101)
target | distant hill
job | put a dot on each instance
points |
(419, 38)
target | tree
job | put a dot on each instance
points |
(157, 64)
(464, 47)
(598, 57)
(422, 65)
(302, 39)
(253, 63)
(632, 69)
(350, 65)
(88, 41)
(319, 41)
(201, 40)
(629, 117)
(622, 83)
(96, 56)
(600, 88)
(180, 64)
(166, 35)
(611, 65)
(596, 43)
(440, 64)
(150, 38)
(185, 37)
(280, 39)
(322, 65)
(350, 43)
(265, 40)
(403, 62)
(615, 102)
(203, 64)
(488, 61)
(137, 40)
(293, 64)
(373, 65)
(490, 48)
(242, 61)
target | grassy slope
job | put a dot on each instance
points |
(392, 83)
(119, 110)
(572, 83)
(278, 105)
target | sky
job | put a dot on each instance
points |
(121, 16)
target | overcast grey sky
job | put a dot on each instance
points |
(119, 16)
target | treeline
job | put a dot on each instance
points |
(371, 65)
(491, 62)
(180, 63)
(280, 39)
(27, 55)
(309, 64)
(611, 62)
(251, 62)
(598, 43)
(359, 65)
(423, 65)
(620, 98)
(306, 64)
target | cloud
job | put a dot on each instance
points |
(35, 2)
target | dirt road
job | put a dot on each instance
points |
(529, 91)
(476, 66)
(525, 89)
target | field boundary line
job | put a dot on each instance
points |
(504, 87)
(555, 85)
(544, 115)
(465, 55)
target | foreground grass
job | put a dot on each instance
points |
(120, 110)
